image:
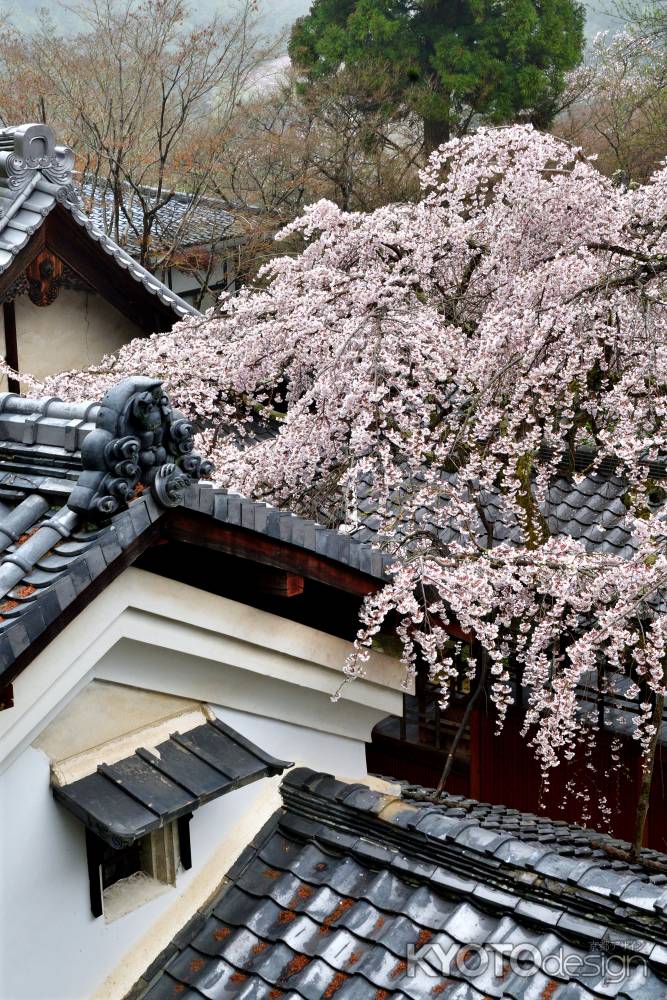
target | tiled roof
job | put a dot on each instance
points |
(52, 547)
(587, 507)
(35, 176)
(565, 838)
(126, 800)
(329, 897)
(184, 221)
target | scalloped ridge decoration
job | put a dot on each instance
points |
(139, 441)
(25, 149)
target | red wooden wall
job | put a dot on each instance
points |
(504, 771)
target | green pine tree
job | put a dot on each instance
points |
(455, 63)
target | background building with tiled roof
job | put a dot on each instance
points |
(194, 241)
(70, 294)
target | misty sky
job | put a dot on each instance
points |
(277, 14)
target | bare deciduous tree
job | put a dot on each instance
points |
(138, 91)
(620, 106)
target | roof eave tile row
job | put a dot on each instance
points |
(253, 515)
(46, 605)
(324, 904)
(584, 897)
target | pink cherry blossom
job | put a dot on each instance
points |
(440, 358)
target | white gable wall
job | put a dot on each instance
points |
(269, 678)
(75, 331)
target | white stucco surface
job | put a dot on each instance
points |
(270, 679)
(52, 947)
(150, 632)
(76, 330)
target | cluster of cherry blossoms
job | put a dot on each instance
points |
(426, 363)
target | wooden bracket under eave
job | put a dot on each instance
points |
(44, 275)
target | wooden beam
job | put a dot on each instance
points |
(278, 583)
(199, 529)
(11, 343)
(94, 859)
(23, 259)
(87, 258)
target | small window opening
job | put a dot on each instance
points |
(123, 878)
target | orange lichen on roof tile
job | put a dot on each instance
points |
(285, 916)
(398, 970)
(258, 948)
(549, 989)
(379, 924)
(220, 933)
(27, 590)
(320, 866)
(296, 964)
(238, 977)
(271, 873)
(303, 893)
(27, 534)
(423, 938)
(276, 994)
(196, 965)
(335, 984)
(354, 958)
(382, 995)
(337, 912)
(179, 988)
(8, 605)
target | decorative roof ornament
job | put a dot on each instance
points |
(28, 149)
(139, 442)
(35, 176)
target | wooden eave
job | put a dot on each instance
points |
(66, 239)
(280, 571)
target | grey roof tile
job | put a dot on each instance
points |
(332, 920)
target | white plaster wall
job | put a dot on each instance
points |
(146, 631)
(76, 330)
(270, 679)
(51, 946)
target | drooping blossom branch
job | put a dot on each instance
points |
(434, 363)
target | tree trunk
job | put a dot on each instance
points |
(436, 131)
(647, 779)
(449, 763)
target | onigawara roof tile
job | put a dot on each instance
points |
(35, 176)
(83, 484)
(353, 894)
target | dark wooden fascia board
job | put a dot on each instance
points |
(86, 257)
(193, 527)
(69, 241)
(292, 563)
(22, 260)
